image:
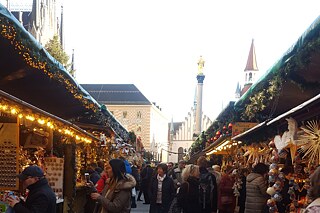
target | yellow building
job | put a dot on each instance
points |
(136, 113)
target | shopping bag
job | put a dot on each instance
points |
(134, 192)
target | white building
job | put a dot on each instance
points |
(42, 18)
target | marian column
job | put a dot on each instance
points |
(200, 78)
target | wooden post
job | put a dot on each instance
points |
(69, 183)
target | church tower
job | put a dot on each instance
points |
(251, 70)
(200, 78)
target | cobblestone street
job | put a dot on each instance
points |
(141, 208)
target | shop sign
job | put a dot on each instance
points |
(240, 127)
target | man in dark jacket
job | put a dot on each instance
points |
(41, 198)
(146, 175)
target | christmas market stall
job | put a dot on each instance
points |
(283, 108)
(292, 152)
(288, 124)
(50, 119)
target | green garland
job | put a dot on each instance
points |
(270, 90)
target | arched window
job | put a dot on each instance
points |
(139, 114)
(180, 153)
(124, 114)
(250, 77)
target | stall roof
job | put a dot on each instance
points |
(304, 111)
(31, 108)
(217, 143)
(30, 73)
(297, 72)
(296, 110)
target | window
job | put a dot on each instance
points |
(139, 128)
(139, 114)
(180, 154)
(250, 76)
(124, 114)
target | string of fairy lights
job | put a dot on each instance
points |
(21, 113)
(9, 32)
(39, 60)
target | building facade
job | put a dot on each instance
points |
(182, 135)
(42, 18)
(251, 73)
(136, 113)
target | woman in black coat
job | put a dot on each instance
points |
(188, 195)
(162, 191)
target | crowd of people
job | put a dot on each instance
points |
(186, 188)
(201, 187)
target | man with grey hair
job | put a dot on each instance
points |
(178, 171)
(217, 173)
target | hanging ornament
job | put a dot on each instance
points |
(273, 166)
(103, 141)
(277, 197)
(272, 144)
(291, 193)
(271, 191)
(310, 142)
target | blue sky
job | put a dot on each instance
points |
(156, 44)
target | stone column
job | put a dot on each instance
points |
(200, 78)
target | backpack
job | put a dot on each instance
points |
(205, 190)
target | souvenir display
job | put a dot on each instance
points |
(54, 174)
(8, 156)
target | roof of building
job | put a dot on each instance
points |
(175, 126)
(116, 94)
(252, 61)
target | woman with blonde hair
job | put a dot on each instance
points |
(188, 195)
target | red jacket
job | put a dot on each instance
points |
(101, 183)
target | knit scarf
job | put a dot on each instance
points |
(159, 191)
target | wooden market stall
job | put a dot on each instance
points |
(53, 121)
(283, 104)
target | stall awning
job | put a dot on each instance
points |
(296, 110)
(30, 73)
(12, 105)
(307, 109)
(292, 80)
(217, 143)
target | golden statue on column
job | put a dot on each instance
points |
(200, 65)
